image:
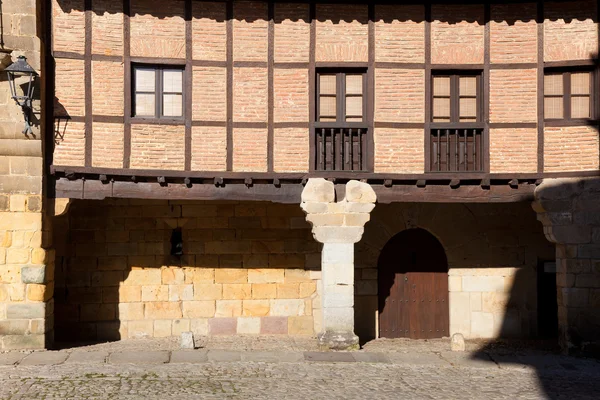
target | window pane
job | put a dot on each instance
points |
(580, 83)
(327, 84)
(580, 107)
(172, 81)
(441, 86)
(172, 105)
(354, 84)
(354, 106)
(353, 119)
(468, 86)
(553, 84)
(144, 105)
(441, 108)
(145, 80)
(327, 107)
(468, 108)
(553, 107)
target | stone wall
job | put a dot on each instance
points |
(493, 252)
(247, 268)
(341, 34)
(26, 268)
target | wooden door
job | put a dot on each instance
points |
(413, 287)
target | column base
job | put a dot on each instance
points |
(330, 340)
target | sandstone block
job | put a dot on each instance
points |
(287, 307)
(179, 326)
(209, 291)
(231, 275)
(335, 234)
(14, 327)
(98, 312)
(199, 326)
(483, 284)
(26, 311)
(248, 325)
(18, 203)
(318, 190)
(131, 311)
(575, 297)
(300, 325)
(10, 273)
(17, 342)
(588, 281)
(228, 308)
(274, 325)
(297, 276)
(16, 292)
(140, 329)
(3, 293)
(237, 291)
(458, 342)
(187, 340)
(143, 277)
(198, 309)
(199, 275)
(130, 294)
(39, 292)
(455, 283)
(264, 291)
(356, 219)
(2, 256)
(307, 289)
(338, 253)
(482, 325)
(31, 274)
(476, 302)
(358, 207)
(325, 219)
(266, 275)
(255, 308)
(41, 256)
(25, 221)
(172, 276)
(155, 293)
(222, 326)
(181, 292)
(288, 290)
(115, 263)
(360, 192)
(460, 314)
(162, 328)
(314, 208)
(162, 310)
(17, 256)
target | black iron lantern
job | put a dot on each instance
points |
(16, 71)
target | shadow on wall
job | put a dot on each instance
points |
(116, 277)
(338, 13)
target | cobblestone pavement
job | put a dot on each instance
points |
(157, 370)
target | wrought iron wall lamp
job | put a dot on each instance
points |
(16, 71)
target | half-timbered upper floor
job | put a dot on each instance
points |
(195, 91)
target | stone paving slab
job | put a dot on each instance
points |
(45, 358)
(370, 357)
(139, 357)
(11, 358)
(189, 356)
(92, 357)
(272, 356)
(470, 360)
(328, 357)
(224, 355)
(417, 359)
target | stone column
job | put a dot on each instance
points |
(338, 225)
(570, 212)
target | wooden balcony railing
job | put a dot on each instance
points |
(341, 149)
(456, 150)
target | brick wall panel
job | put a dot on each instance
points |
(250, 31)
(292, 32)
(399, 150)
(157, 147)
(70, 143)
(107, 146)
(291, 95)
(513, 33)
(342, 33)
(107, 27)
(513, 150)
(209, 102)
(157, 29)
(513, 95)
(291, 150)
(70, 93)
(570, 148)
(68, 25)
(399, 95)
(457, 34)
(107, 88)
(249, 149)
(250, 94)
(209, 31)
(570, 32)
(209, 148)
(400, 33)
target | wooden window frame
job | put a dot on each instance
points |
(158, 93)
(341, 95)
(567, 96)
(454, 76)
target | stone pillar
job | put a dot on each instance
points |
(338, 225)
(570, 212)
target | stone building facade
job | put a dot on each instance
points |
(199, 177)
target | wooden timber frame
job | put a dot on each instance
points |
(67, 181)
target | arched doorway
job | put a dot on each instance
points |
(413, 287)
